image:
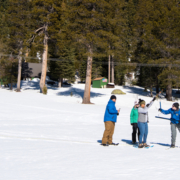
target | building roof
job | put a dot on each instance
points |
(99, 78)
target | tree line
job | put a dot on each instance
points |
(88, 35)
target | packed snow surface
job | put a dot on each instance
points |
(55, 137)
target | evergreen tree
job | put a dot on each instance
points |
(47, 24)
(17, 19)
(65, 67)
(89, 25)
(158, 38)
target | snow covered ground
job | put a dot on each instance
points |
(55, 137)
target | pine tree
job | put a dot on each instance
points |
(47, 24)
(65, 66)
(17, 18)
(158, 38)
(90, 26)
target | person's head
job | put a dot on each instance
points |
(136, 104)
(113, 98)
(142, 103)
(175, 106)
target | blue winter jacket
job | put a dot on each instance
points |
(111, 112)
(175, 115)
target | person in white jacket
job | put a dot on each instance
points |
(142, 122)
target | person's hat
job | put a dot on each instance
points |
(136, 103)
(113, 97)
(176, 105)
(141, 102)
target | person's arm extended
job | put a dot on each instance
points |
(112, 110)
(145, 110)
(165, 111)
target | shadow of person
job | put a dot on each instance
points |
(161, 144)
(126, 141)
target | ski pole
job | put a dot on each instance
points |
(162, 118)
(160, 104)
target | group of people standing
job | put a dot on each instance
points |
(139, 120)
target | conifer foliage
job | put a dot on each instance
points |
(46, 15)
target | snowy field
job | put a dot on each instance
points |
(55, 137)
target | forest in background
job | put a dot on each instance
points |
(86, 35)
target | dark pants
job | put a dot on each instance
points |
(143, 131)
(135, 129)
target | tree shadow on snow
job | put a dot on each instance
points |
(137, 90)
(77, 93)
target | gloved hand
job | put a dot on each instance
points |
(160, 109)
(132, 124)
(154, 99)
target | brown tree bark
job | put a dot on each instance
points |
(19, 71)
(169, 91)
(112, 70)
(86, 98)
(169, 87)
(109, 69)
(60, 82)
(44, 61)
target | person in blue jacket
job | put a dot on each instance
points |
(110, 118)
(175, 121)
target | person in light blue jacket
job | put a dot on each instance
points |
(110, 119)
(175, 121)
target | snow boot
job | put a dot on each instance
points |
(134, 142)
(113, 144)
(172, 146)
(141, 146)
(104, 144)
(145, 145)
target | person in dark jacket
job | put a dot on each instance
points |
(110, 119)
(134, 121)
(175, 121)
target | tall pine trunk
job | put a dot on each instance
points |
(169, 91)
(109, 69)
(44, 61)
(87, 91)
(60, 82)
(19, 71)
(169, 87)
(112, 70)
(157, 85)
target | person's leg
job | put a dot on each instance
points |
(173, 134)
(145, 132)
(106, 132)
(138, 133)
(112, 127)
(134, 127)
(178, 126)
(141, 127)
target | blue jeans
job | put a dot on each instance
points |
(143, 127)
